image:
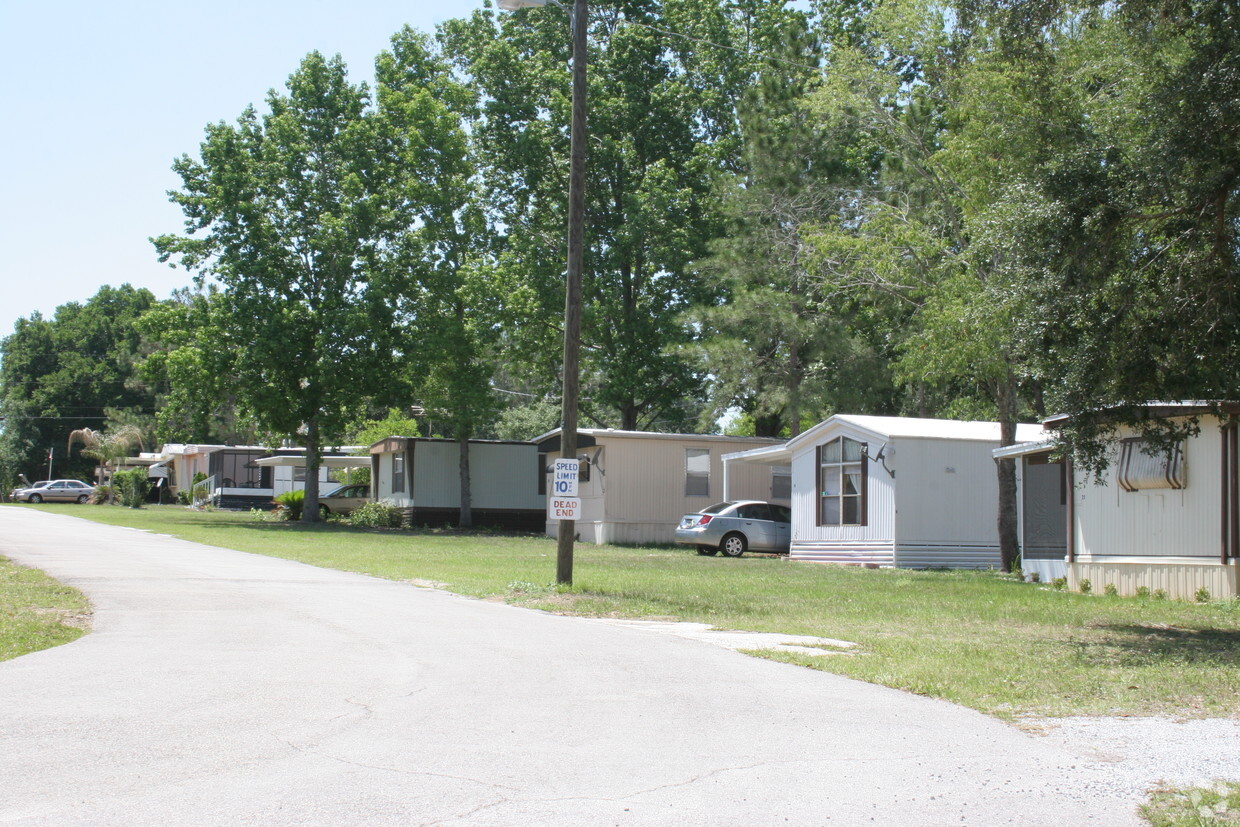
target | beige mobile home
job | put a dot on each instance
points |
(1162, 518)
(636, 485)
(1042, 488)
(893, 491)
(422, 475)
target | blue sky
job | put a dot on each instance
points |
(99, 98)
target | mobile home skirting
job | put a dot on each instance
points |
(1180, 579)
(898, 555)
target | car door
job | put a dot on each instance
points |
(782, 523)
(56, 491)
(756, 519)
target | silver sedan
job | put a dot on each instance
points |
(737, 527)
(56, 491)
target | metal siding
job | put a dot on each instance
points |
(939, 506)
(872, 544)
(502, 476)
(642, 485)
(1113, 523)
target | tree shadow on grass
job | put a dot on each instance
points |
(1151, 645)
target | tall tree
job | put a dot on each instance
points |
(303, 217)
(662, 123)
(61, 374)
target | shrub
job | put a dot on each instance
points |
(375, 515)
(103, 495)
(1143, 591)
(1035, 577)
(1160, 594)
(182, 497)
(1109, 590)
(290, 504)
(1059, 584)
(1086, 586)
(131, 487)
(1203, 595)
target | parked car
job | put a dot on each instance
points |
(39, 484)
(344, 499)
(737, 527)
(65, 491)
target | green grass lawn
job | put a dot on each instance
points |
(36, 612)
(986, 641)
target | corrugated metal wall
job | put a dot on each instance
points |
(1113, 523)
(949, 493)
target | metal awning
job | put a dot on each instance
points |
(295, 461)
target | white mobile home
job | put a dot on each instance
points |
(894, 491)
(422, 475)
(1162, 518)
(636, 485)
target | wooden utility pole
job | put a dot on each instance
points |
(572, 288)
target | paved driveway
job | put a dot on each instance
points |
(227, 688)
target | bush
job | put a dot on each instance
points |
(1086, 586)
(1203, 595)
(375, 515)
(131, 487)
(1143, 591)
(1035, 577)
(103, 495)
(1160, 594)
(1110, 590)
(290, 504)
(1059, 583)
(182, 497)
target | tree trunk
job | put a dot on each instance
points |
(314, 454)
(1009, 540)
(467, 499)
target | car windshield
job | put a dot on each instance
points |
(716, 508)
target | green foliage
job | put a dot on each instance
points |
(1085, 586)
(1110, 590)
(1059, 584)
(1160, 594)
(528, 420)
(290, 504)
(375, 515)
(663, 122)
(1143, 592)
(395, 423)
(104, 495)
(1202, 595)
(319, 220)
(61, 374)
(131, 486)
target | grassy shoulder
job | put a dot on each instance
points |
(1212, 806)
(993, 643)
(36, 612)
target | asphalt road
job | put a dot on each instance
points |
(228, 688)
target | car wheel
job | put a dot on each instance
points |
(734, 545)
(707, 551)
(83, 498)
(324, 511)
(35, 498)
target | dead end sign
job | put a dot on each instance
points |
(563, 508)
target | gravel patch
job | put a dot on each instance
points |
(1146, 753)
